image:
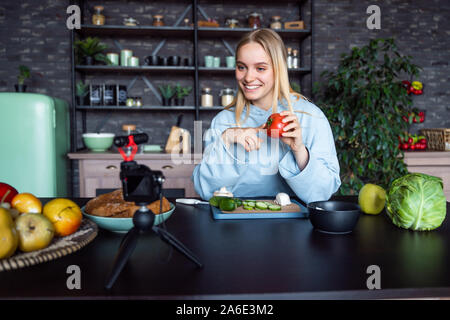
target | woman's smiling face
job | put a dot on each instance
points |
(254, 74)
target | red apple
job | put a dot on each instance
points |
(7, 193)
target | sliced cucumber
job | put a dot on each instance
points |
(249, 203)
(248, 208)
(261, 205)
(275, 207)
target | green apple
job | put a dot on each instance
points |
(372, 198)
(35, 231)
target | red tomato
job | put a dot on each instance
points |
(410, 141)
(275, 125)
(405, 146)
(4, 188)
(412, 147)
(423, 141)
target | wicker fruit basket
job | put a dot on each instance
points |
(437, 139)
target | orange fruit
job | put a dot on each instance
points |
(26, 202)
(64, 214)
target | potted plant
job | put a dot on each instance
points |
(82, 90)
(364, 101)
(24, 73)
(296, 87)
(90, 50)
(167, 92)
(180, 93)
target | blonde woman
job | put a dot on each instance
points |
(238, 153)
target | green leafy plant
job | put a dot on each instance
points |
(82, 89)
(167, 91)
(24, 73)
(295, 86)
(91, 47)
(364, 101)
(182, 92)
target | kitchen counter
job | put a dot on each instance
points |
(435, 163)
(251, 259)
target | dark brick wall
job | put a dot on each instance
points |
(34, 33)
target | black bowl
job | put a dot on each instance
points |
(337, 217)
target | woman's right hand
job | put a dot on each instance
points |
(247, 137)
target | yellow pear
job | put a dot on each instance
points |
(9, 237)
(372, 198)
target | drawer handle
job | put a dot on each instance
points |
(111, 167)
(167, 167)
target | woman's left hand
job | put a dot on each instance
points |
(292, 132)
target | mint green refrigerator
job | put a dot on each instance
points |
(34, 142)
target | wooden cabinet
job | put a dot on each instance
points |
(101, 171)
(435, 163)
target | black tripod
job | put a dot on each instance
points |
(142, 186)
(143, 221)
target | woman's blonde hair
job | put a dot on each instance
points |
(273, 45)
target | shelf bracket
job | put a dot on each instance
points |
(118, 45)
(177, 23)
(229, 48)
(152, 88)
(131, 84)
(203, 13)
(103, 122)
(160, 45)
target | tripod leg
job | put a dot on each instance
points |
(126, 249)
(170, 239)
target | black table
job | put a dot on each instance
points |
(251, 259)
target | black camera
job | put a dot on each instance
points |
(140, 184)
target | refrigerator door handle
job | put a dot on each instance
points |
(54, 118)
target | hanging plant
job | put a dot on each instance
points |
(364, 101)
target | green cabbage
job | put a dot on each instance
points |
(416, 201)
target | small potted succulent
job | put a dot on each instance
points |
(180, 94)
(167, 92)
(82, 90)
(90, 50)
(24, 73)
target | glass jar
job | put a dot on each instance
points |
(231, 23)
(227, 96)
(158, 20)
(276, 23)
(138, 102)
(98, 18)
(254, 20)
(130, 102)
(129, 129)
(207, 98)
